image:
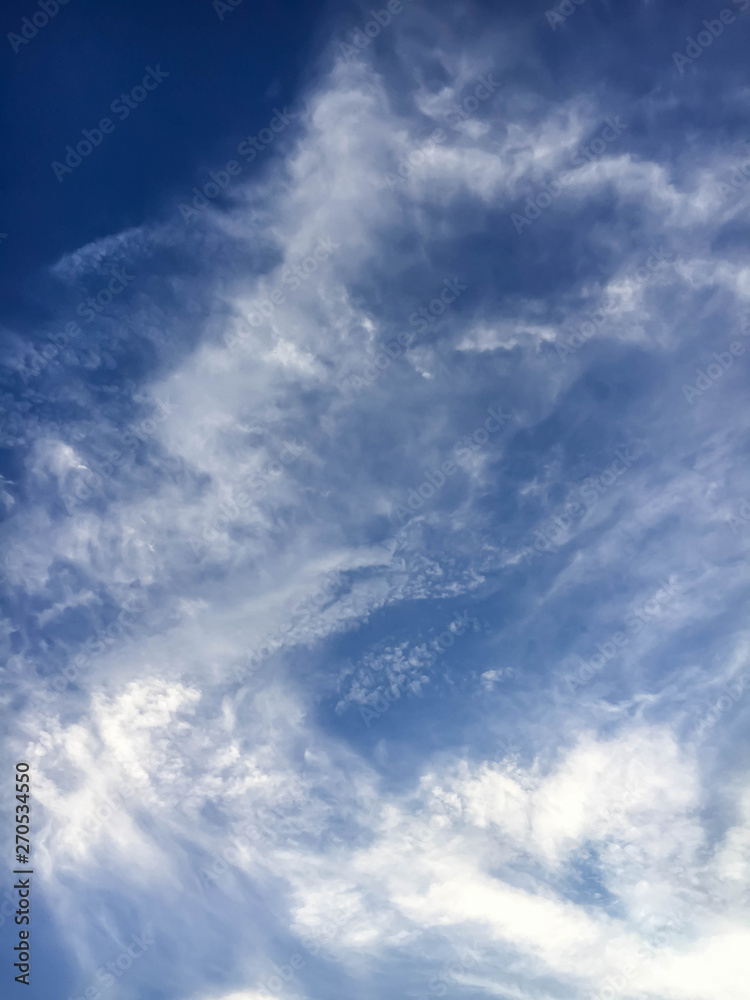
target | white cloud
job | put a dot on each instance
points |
(461, 847)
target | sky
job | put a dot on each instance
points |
(375, 499)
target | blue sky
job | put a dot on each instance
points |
(375, 499)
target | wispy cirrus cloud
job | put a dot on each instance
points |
(572, 839)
